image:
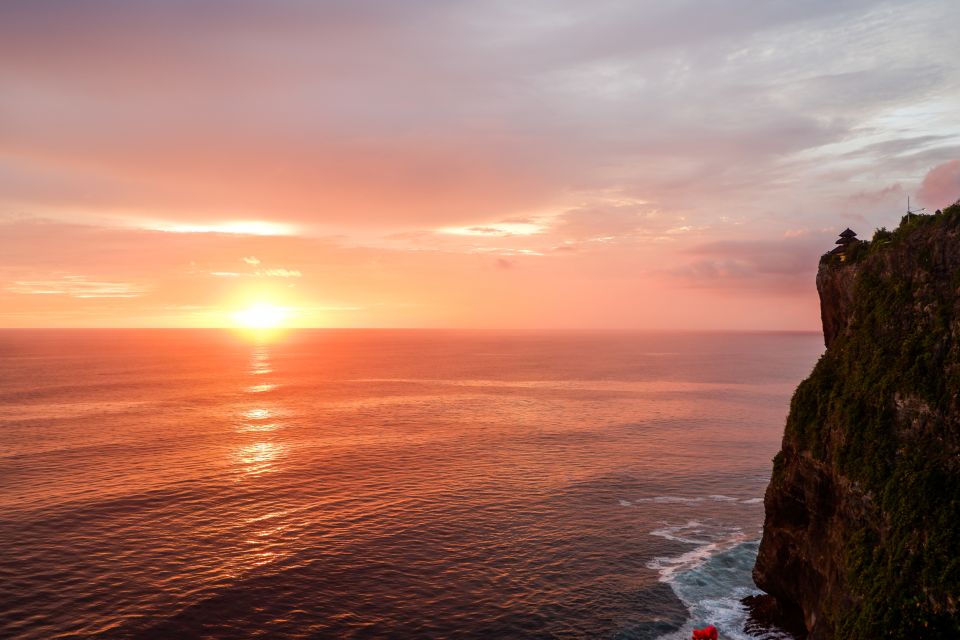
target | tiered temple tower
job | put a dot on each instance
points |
(847, 238)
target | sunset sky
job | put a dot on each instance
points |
(445, 163)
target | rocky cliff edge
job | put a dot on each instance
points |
(862, 530)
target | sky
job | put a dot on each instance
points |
(466, 164)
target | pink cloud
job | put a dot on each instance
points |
(941, 186)
(783, 265)
(869, 198)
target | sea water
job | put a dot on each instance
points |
(385, 484)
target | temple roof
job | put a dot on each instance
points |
(847, 236)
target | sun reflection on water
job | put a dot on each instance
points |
(260, 388)
(260, 368)
(259, 427)
(257, 414)
(259, 456)
(260, 361)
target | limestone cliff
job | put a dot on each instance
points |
(836, 286)
(862, 529)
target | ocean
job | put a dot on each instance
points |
(385, 484)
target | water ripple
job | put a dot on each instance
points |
(379, 484)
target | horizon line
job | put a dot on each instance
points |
(472, 329)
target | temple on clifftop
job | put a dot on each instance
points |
(847, 239)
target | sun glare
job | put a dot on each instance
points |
(261, 316)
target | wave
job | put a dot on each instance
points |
(672, 499)
(712, 578)
(681, 533)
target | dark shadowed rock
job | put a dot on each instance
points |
(768, 617)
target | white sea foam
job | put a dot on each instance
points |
(668, 566)
(625, 503)
(710, 542)
(693, 499)
(681, 532)
(710, 579)
(670, 500)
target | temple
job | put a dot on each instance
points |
(847, 239)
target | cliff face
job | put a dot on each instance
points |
(862, 529)
(835, 286)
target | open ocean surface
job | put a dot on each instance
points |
(385, 484)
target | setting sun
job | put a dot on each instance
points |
(261, 316)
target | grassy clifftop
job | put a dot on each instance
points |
(863, 509)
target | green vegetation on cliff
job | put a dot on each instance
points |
(881, 410)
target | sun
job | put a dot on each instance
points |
(261, 315)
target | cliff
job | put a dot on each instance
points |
(862, 530)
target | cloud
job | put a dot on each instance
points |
(251, 260)
(499, 229)
(76, 286)
(614, 219)
(888, 194)
(279, 273)
(784, 265)
(232, 227)
(941, 185)
(415, 114)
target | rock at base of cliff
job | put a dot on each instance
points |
(767, 618)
